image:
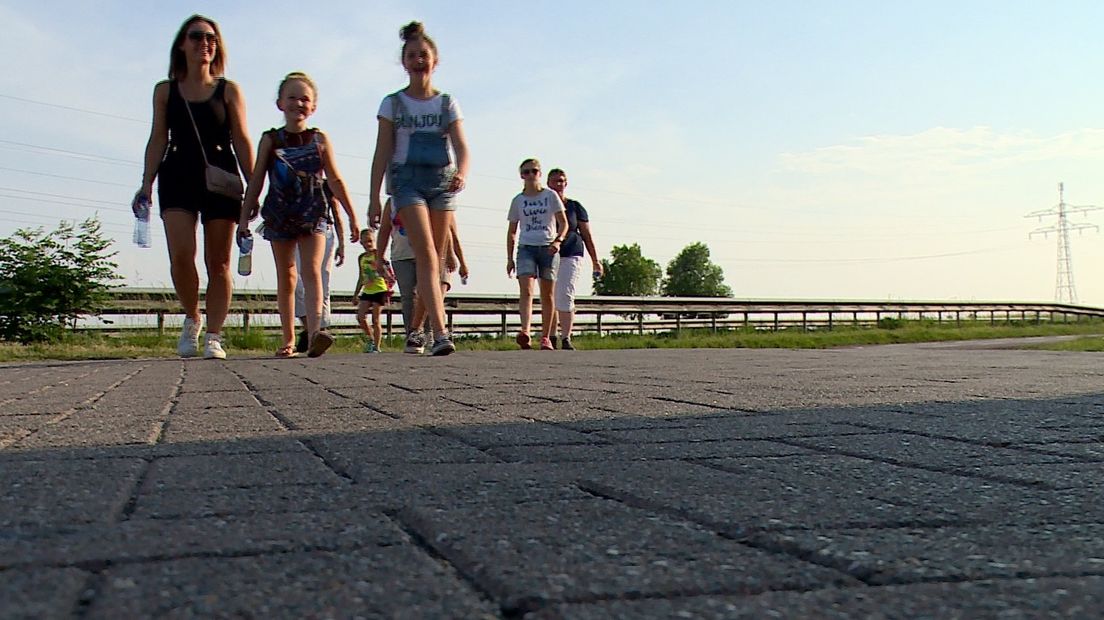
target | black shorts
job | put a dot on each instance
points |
(184, 188)
(382, 298)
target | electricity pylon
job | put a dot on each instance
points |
(1064, 289)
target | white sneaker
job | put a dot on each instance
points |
(212, 350)
(188, 345)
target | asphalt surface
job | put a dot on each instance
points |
(898, 482)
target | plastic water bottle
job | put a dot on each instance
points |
(142, 207)
(245, 259)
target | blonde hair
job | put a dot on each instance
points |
(297, 76)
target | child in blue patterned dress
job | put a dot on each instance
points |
(297, 161)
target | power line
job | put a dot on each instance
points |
(74, 109)
(67, 178)
(76, 154)
(27, 191)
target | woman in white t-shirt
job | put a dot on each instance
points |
(538, 224)
(420, 129)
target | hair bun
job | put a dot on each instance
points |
(411, 31)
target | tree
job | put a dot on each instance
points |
(692, 274)
(48, 280)
(628, 273)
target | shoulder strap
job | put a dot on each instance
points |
(188, 107)
(277, 135)
(397, 105)
(445, 101)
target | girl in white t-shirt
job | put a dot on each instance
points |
(421, 149)
(538, 224)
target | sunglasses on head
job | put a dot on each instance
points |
(198, 35)
(531, 171)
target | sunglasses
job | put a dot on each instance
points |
(197, 35)
(531, 171)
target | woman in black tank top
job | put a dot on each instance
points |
(173, 157)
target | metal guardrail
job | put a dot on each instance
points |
(603, 315)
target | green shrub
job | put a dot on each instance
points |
(49, 280)
(890, 323)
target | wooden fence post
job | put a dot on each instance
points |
(598, 323)
(245, 320)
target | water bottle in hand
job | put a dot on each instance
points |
(141, 208)
(245, 259)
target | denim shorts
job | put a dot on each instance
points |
(411, 185)
(534, 260)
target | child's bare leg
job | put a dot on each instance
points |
(377, 328)
(310, 254)
(363, 308)
(525, 302)
(284, 254)
(547, 311)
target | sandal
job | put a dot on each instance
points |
(286, 351)
(318, 345)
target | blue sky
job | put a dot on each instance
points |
(821, 150)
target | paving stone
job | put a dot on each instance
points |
(89, 429)
(40, 593)
(450, 484)
(576, 549)
(900, 555)
(176, 503)
(47, 494)
(1093, 451)
(314, 398)
(1051, 475)
(517, 433)
(644, 451)
(955, 498)
(159, 539)
(201, 401)
(394, 582)
(1055, 598)
(730, 426)
(924, 451)
(239, 470)
(741, 503)
(216, 424)
(355, 418)
(38, 406)
(353, 453)
(484, 397)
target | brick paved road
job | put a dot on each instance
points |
(896, 481)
